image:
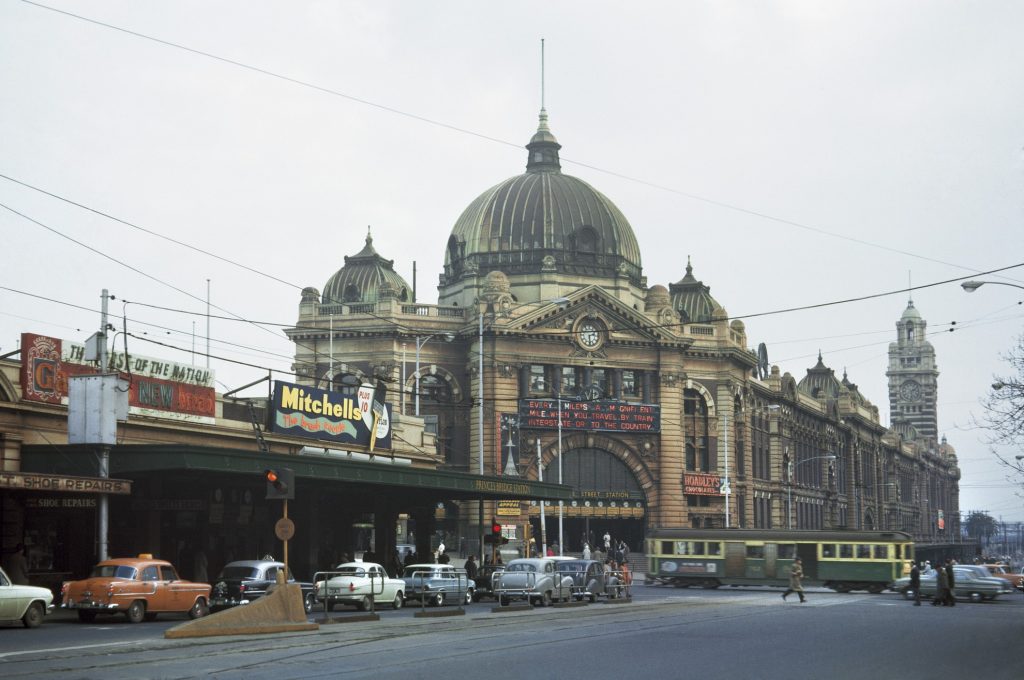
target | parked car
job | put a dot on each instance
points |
(138, 587)
(1004, 572)
(243, 581)
(437, 584)
(969, 581)
(355, 583)
(589, 580)
(29, 604)
(534, 579)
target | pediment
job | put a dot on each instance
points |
(619, 322)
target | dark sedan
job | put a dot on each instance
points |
(243, 581)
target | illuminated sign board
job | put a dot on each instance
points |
(313, 413)
(158, 388)
(609, 416)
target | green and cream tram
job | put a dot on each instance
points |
(841, 560)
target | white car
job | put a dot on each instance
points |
(27, 603)
(355, 583)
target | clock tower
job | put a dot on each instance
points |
(913, 376)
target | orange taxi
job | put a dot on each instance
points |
(138, 587)
(1004, 572)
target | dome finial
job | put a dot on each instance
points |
(543, 146)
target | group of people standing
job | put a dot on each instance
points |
(945, 582)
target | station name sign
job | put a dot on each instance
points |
(604, 415)
(25, 481)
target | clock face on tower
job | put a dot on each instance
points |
(910, 391)
(589, 335)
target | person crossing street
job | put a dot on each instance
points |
(796, 573)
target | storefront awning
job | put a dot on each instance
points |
(130, 461)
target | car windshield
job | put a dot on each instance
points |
(572, 566)
(521, 566)
(420, 571)
(113, 571)
(239, 572)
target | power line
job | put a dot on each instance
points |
(489, 138)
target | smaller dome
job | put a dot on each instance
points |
(692, 299)
(820, 382)
(310, 294)
(910, 313)
(364, 276)
(657, 298)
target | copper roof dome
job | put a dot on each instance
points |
(542, 219)
(363, 275)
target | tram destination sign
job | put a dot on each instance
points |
(605, 415)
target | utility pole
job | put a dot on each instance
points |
(103, 516)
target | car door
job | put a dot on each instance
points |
(9, 600)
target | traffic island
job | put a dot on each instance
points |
(438, 612)
(571, 603)
(618, 600)
(279, 611)
(349, 618)
(501, 609)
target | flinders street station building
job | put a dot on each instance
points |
(549, 355)
(549, 388)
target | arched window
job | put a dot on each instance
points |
(695, 425)
(346, 384)
(351, 293)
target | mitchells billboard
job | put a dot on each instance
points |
(302, 411)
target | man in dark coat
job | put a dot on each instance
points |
(950, 594)
(915, 583)
(941, 587)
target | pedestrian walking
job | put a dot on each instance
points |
(796, 573)
(941, 587)
(607, 543)
(471, 568)
(915, 583)
(950, 591)
(586, 551)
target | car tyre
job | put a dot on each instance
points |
(437, 599)
(545, 599)
(199, 609)
(86, 615)
(364, 604)
(503, 601)
(33, 616)
(908, 594)
(308, 602)
(136, 612)
(470, 597)
(976, 597)
(398, 601)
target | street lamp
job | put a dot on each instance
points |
(789, 473)
(971, 286)
(420, 341)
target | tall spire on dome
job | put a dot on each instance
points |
(543, 146)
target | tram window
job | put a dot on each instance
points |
(881, 552)
(666, 548)
(828, 549)
(714, 548)
(863, 551)
(682, 548)
(899, 552)
(787, 551)
(698, 548)
(845, 551)
(755, 551)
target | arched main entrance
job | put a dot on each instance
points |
(607, 498)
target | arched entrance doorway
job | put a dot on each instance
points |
(607, 499)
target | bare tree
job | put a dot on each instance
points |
(1004, 409)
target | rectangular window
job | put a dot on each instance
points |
(714, 548)
(666, 548)
(682, 548)
(538, 379)
(599, 377)
(698, 548)
(881, 552)
(787, 551)
(863, 552)
(846, 551)
(569, 380)
(828, 550)
(630, 384)
(755, 551)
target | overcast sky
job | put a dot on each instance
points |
(798, 152)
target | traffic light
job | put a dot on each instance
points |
(495, 529)
(495, 536)
(280, 483)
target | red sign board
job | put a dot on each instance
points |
(157, 388)
(701, 484)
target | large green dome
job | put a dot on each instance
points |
(540, 220)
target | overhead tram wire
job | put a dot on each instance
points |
(479, 135)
